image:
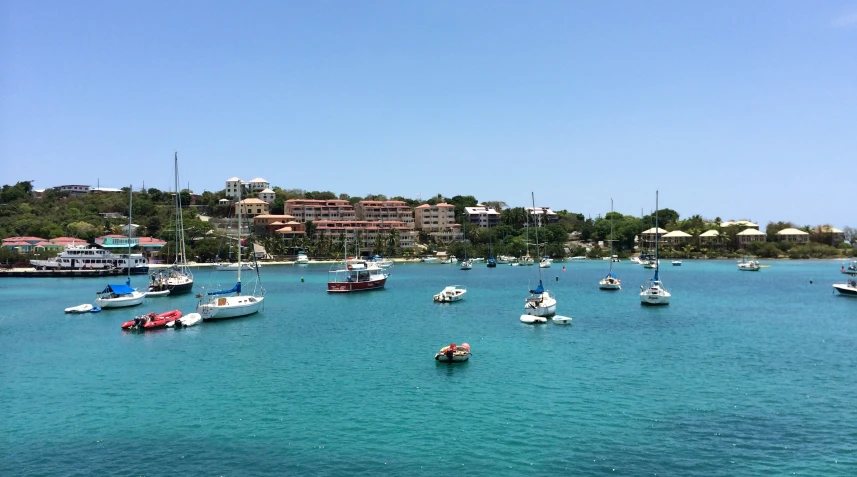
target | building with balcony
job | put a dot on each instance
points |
(676, 237)
(793, 235)
(367, 233)
(648, 237)
(438, 221)
(482, 216)
(258, 185)
(385, 210)
(233, 187)
(252, 207)
(542, 216)
(270, 224)
(73, 190)
(750, 235)
(304, 210)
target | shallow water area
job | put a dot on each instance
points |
(744, 373)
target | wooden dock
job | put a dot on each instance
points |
(23, 273)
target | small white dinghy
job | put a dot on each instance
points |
(153, 294)
(84, 308)
(561, 320)
(188, 320)
(533, 319)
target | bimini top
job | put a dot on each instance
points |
(610, 274)
(118, 289)
(235, 289)
(539, 289)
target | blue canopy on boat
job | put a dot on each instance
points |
(539, 289)
(235, 289)
(118, 289)
(610, 274)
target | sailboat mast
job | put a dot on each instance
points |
(533, 197)
(657, 237)
(611, 235)
(130, 209)
(239, 231)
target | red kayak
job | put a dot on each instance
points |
(151, 321)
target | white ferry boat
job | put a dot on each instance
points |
(85, 257)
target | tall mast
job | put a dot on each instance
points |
(240, 207)
(130, 208)
(533, 197)
(611, 235)
(657, 238)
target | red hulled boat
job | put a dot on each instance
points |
(152, 321)
(357, 275)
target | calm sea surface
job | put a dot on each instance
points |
(743, 374)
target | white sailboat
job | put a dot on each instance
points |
(466, 264)
(222, 304)
(611, 281)
(655, 293)
(541, 304)
(118, 295)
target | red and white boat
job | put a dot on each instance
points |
(152, 321)
(357, 275)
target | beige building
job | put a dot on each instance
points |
(383, 211)
(836, 236)
(647, 237)
(793, 235)
(305, 210)
(747, 236)
(252, 207)
(439, 222)
(676, 237)
(710, 237)
(368, 231)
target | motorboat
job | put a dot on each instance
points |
(152, 321)
(156, 293)
(636, 260)
(95, 309)
(614, 258)
(302, 259)
(356, 275)
(232, 303)
(466, 265)
(477, 259)
(188, 320)
(561, 320)
(651, 263)
(119, 296)
(851, 269)
(450, 294)
(504, 259)
(233, 266)
(749, 264)
(578, 258)
(453, 353)
(491, 263)
(84, 308)
(655, 293)
(430, 260)
(848, 288)
(676, 263)
(545, 262)
(381, 261)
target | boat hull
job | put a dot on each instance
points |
(229, 307)
(188, 320)
(121, 302)
(846, 289)
(609, 286)
(545, 309)
(654, 300)
(346, 287)
(154, 294)
(178, 288)
(457, 357)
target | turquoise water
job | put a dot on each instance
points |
(743, 374)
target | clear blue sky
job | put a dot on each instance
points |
(731, 108)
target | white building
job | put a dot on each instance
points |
(267, 195)
(258, 185)
(233, 187)
(482, 216)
